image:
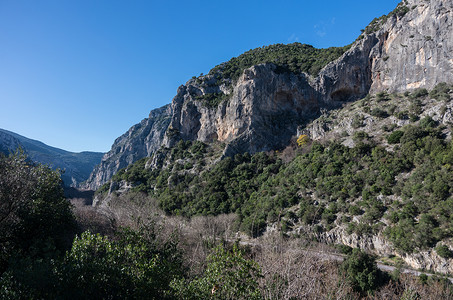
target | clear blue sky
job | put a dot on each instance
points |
(77, 74)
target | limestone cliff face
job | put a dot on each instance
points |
(262, 111)
(416, 50)
(139, 141)
(407, 51)
(265, 107)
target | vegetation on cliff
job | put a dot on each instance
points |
(295, 58)
(404, 191)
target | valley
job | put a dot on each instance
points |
(287, 172)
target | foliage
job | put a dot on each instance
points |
(259, 187)
(36, 227)
(377, 112)
(377, 23)
(34, 215)
(444, 251)
(418, 93)
(229, 275)
(295, 58)
(441, 92)
(360, 270)
(134, 266)
(212, 99)
(323, 186)
(395, 137)
(302, 140)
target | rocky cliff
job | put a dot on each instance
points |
(139, 141)
(414, 50)
(410, 48)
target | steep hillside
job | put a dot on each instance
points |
(259, 100)
(360, 155)
(375, 174)
(76, 166)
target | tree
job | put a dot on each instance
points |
(361, 271)
(228, 276)
(302, 140)
(36, 227)
(34, 215)
(133, 266)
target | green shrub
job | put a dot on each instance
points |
(360, 271)
(441, 92)
(395, 137)
(134, 266)
(228, 276)
(377, 112)
(428, 122)
(295, 58)
(382, 96)
(444, 251)
(418, 93)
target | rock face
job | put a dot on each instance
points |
(261, 113)
(411, 48)
(139, 141)
(76, 166)
(415, 51)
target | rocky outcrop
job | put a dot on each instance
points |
(265, 107)
(261, 113)
(139, 141)
(409, 51)
(416, 50)
(262, 110)
(377, 244)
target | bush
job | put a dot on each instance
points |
(228, 276)
(441, 92)
(428, 122)
(418, 93)
(444, 252)
(395, 137)
(360, 271)
(377, 112)
(134, 266)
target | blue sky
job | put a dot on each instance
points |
(77, 74)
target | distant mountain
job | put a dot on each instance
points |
(76, 166)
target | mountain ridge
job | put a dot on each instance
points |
(76, 166)
(403, 50)
(360, 155)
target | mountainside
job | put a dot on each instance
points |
(76, 166)
(259, 100)
(359, 155)
(141, 140)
